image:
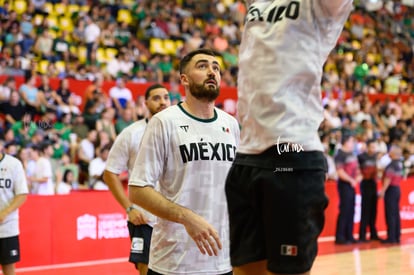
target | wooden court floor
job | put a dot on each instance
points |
(371, 258)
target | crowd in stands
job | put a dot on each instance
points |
(142, 42)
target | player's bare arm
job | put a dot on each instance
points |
(203, 234)
(15, 204)
(134, 215)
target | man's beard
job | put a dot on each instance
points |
(203, 92)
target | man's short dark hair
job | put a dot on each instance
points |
(186, 59)
(153, 87)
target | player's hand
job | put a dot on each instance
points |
(137, 217)
(204, 235)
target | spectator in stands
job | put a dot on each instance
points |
(85, 154)
(97, 168)
(407, 109)
(79, 127)
(42, 179)
(92, 33)
(63, 92)
(78, 34)
(123, 121)
(48, 96)
(24, 129)
(93, 108)
(29, 93)
(61, 47)
(13, 109)
(107, 38)
(63, 128)
(64, 185)
(121, 96)
(43, 46)
(106, 122)
(6, 88)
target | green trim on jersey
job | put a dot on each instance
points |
(196, 118)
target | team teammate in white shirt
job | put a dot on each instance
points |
(121, 158)
(275, 189)
(188, 149)
(13, 193)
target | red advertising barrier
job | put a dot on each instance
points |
(82, 226)
(90, 225)
(78, 87)
(227, 97)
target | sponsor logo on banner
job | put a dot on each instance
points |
(102, 226)
(407, 211)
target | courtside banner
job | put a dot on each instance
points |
(81, 226)
(90, 225)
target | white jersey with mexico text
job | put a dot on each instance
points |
(285, 44)
(190, 158)
(124, 151)
(12, 183)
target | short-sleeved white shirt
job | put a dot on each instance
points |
(12, 183)
(190, 158)
(124, 152)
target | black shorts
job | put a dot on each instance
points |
(9, 250)
(276, 206)
(140, 236)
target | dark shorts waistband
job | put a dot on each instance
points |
(274, 157)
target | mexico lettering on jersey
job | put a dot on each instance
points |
(284, 46)
(190, 158)
(123, 152)
(12, 182)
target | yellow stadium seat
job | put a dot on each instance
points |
(82, 54)
(128, 3)
(48, 7)
(124, 16)
(71, 9)
(100, 55)
(52, 21)
(170, 47)
(37, 19)
(65, 23)
(60, 8)
(110, 54)
(20, 6)
(157, 46)
(1, 45)
(42, 66)
(53, 33)
(60, 66)
(179, 44)
(84, 9)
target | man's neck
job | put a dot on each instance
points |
(199, 109)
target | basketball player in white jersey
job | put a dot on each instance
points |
(188, 149)
(13, 193)
(121, 158)
(278, 175)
